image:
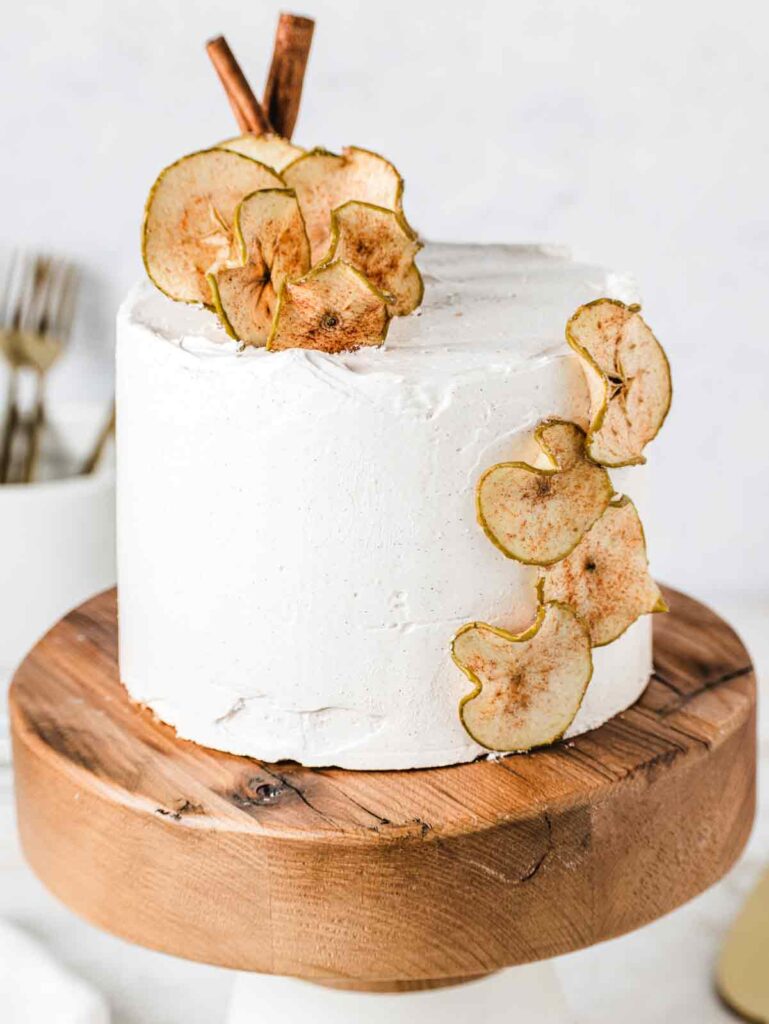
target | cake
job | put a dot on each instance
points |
(376, 500)
(297, 534)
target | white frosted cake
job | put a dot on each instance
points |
(297, 531)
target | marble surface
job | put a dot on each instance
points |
(670, 961)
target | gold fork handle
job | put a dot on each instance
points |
(10, 425)
(34, 427)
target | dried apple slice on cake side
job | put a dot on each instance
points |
(606, 577)
(381, 244)
(528, 686)
(628, 376)
(334, 308)
(188, 220)
(324, 181)
(273, 246)
(537, 516)
(270, 149)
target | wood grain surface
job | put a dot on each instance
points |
(370, 878)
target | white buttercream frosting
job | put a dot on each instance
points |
(297, 539)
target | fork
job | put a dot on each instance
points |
(14, 311)
(37, 317)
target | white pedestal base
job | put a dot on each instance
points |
(521, 995)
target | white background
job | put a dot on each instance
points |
(635, 131)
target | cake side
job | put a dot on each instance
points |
(297, 537)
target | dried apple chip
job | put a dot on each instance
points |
(528, 686)
(628, 376)
(188, 219)
(606, 577)
(272, 150)
(379, 243)
(269, 226)
(325, 181)
(334, 308)
(238, 297)
(272, 244)
(538, 515)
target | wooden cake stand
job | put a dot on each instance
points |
(383, 881)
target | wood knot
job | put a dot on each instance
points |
(256, 793)
(267, 793)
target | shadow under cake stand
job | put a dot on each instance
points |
(388, 882)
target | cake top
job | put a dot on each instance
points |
(480, 300)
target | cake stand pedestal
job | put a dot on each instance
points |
(382, 881)
(529, 994)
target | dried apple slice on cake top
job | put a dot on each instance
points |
(188, 221)
(273, 246)
(628, 376)
(538, 515)
(528, 686)
(270, 149)
(379, 243)
(334, 308)
(606, 577)
(325, 181)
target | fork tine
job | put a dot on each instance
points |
(66, 310)
(38, 286)
(16, 286)
(8, 286)
(51, 297)
(26, 294)
(45, 279)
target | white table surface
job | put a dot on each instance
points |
(662, 972)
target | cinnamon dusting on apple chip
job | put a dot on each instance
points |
(538, 515)
(334, 308)
(628, 376)
(606, 577)
(528, 686)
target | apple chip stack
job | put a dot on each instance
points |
(563, 516)
(291, 248)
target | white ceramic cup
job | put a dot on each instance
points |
(57, 544)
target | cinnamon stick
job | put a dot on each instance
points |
(283, 93)
(246, 107)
